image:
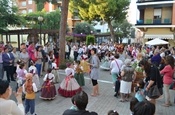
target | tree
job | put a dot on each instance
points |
(101, 10)
(84, 28)
(124, 28)
(8, 15)
(40, 3)
(51, 20)
(62, 34)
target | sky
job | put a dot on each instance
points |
(132, 12)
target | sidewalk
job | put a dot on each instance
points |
(100, 104)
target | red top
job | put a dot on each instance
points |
(168, 74)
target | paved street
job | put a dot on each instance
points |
(101, 104)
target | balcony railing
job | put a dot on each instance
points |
(141, 1)
(165, 21)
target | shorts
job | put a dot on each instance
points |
(94, 82)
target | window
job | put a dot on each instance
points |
(157, 13)
(23, 3)
(30, 2)
(30, 10)
(23, 11)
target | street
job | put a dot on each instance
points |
(100, 104)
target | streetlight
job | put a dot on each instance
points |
(40, 19)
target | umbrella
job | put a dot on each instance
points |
(156, 41)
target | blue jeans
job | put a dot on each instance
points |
(38, 67)
(30, 106)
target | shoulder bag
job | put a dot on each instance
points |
(119, 73)
(154, 92)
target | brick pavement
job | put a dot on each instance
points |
(100, 104)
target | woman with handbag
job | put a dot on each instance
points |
(167, 72)
(153, 81)
(127, 75)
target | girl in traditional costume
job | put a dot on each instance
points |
(48, 90)
(106, 62)
(79, 76)
(69, 85)
(33, 70)
(29, 88)
(55, 72)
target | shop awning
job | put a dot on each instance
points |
(160, 36)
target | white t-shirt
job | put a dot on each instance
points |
(114, 67)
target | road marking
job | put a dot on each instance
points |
(103, 81)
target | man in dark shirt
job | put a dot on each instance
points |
(81, 101)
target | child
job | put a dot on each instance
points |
(21, 71)
(112, 112)
(73, 107)
(48, 90)
(133, 102)
(140, 91)
(85, 66)
(55, 71)
(79, 74)
(33, 70)
(29, 88)
(69, 86)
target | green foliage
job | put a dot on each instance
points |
(50, 20)
(40, 6)
(8, 15)
(68, 38)
(100, 10)
(124, 28)
(90, 39)
(84, 28)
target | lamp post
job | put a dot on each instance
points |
(40, 19)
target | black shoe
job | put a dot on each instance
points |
(115, 95)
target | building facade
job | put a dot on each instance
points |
(26, 6)
(157, 19)
(71, 20)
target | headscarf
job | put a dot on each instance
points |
(28, 84)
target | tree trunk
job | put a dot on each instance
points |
(111, 31)
(62, 33)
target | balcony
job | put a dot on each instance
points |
(165, 21)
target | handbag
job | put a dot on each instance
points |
(154, 92)
(119, 74)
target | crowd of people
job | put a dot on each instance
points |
(124, 63)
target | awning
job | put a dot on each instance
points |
(160, 36)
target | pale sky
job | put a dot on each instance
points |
(132, 12)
